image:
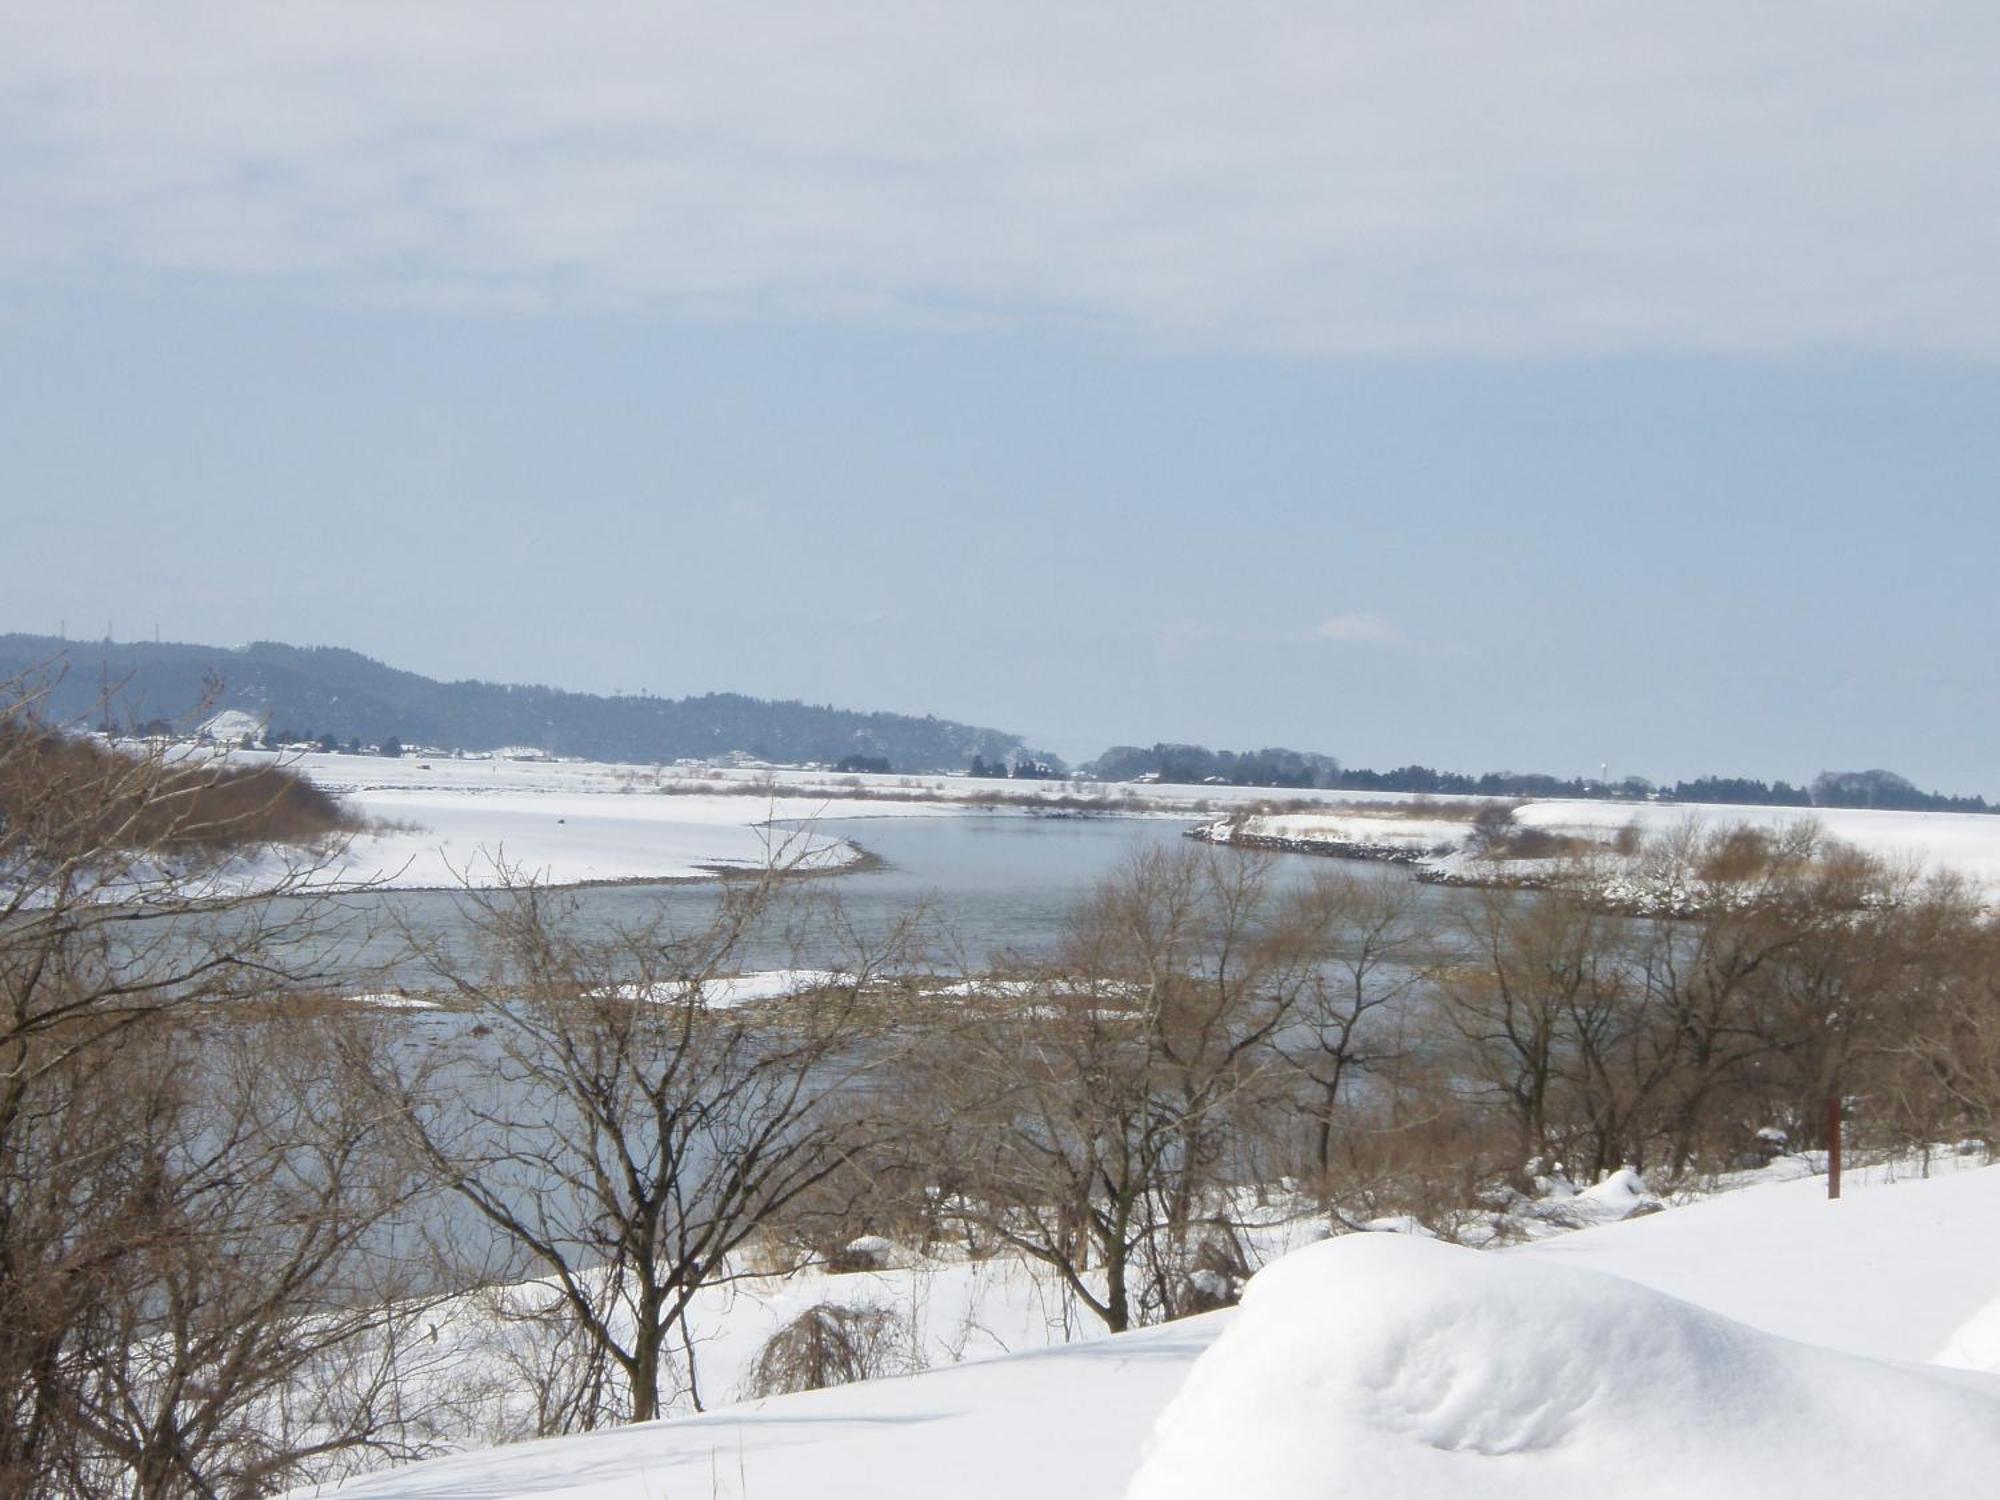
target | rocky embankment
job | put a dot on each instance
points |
(1395, 852)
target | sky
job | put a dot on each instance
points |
(1503, 385)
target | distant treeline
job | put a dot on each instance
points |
(1197, 765)
(1025, 768)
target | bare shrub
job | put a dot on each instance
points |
(1736, 854)
(548, 1375)
(827, 1345)
(1496, 835)
(56, 788)
(1216, 1272)
(1422, 1151)
(1492, 825)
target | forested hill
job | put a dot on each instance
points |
(310, 692)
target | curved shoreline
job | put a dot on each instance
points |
(1393, 854)
(864, 861)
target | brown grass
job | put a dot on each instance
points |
(54, 788)
(1034, 796)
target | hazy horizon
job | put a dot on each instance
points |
(1074, 755)
(1536, 389)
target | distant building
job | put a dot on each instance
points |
(232, 728)
(522, 752)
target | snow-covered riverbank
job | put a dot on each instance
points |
(1836, 1309)
(1603, 842)
(441, 821)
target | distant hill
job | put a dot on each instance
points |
(312, 691)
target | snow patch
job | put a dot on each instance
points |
(1975, 1345)
(727, 991)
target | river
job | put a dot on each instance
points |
(991, 887)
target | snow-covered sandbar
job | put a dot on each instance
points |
(447, 823)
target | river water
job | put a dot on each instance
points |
(993, 888)
(990, 887)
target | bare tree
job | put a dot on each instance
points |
(159, 1254)
(1939, 1075)
(624, 1129)
(1364, 949)
(1098, 1095)
(251, 1337)
(1538, 996)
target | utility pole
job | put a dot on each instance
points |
(1833, 1144)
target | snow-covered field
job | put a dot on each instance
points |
(1746, 1345)
(1967, 844)
(443, 822)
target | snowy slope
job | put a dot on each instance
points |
(1895, 1271)
(1780, 1257)
(1386, 1365)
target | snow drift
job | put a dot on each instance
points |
(1388, 1365)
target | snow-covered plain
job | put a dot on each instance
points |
(1968, 843)
(1742, 1346)
(1965, 844)
(559, 837)
(442, 823)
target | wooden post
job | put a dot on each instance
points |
(1833, 1144)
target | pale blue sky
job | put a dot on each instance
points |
(1527, 392)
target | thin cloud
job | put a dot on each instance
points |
(1342, 178)
(1358, 630)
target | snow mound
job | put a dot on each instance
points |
(1623, 1194)
(1390, 1365)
